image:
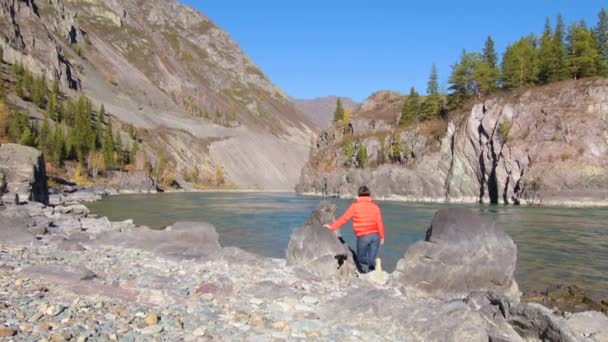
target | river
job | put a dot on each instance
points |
(556, 245)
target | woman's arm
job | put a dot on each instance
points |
(380, 226)
(342, 220)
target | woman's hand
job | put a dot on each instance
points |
(381, 242)
(326, 226)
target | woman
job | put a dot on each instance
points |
(368, 227)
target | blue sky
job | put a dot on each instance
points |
(352, 48)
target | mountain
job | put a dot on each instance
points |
(321, 110)
(544, 145)
(173, 74)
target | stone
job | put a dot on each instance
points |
(591, 324)
(310, 300)
(75, 209)
(462, 253)
(24, 173)
(534, 321)
(7, 332)
(200, 331)
(151, 330)
(151, 319)
(191, 240)
(132, 181)
(318, 250)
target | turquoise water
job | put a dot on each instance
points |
(556, 245)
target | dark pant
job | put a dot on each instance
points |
(367, 250)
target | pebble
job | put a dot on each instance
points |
(200, 331)
(153, 329)
(151, 319)
(7, 332)
(256, 301)
(310, 300)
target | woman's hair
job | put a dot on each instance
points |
(364, 191)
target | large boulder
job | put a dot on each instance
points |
(136, 181)
(189, 240)
(23, 174)
(319, 250)
(462, 253)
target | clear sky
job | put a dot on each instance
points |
(313, 48)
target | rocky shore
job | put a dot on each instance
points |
(68, 275)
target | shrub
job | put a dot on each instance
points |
(348, 150)
(504, 128)
(362, 155)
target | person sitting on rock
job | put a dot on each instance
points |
(368, 227)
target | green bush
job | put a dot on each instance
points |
(504, 128)
(362, 155)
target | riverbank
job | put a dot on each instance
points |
(569, 203)
(67, 274)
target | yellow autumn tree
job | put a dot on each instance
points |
(219, 176)
(347, 114)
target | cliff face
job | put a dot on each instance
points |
(166, 68)
(546, 145)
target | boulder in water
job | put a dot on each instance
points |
(318, 249)
(462, 253)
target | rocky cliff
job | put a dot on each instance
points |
(546, 145)
(173, 74)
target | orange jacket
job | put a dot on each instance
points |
(366, 216)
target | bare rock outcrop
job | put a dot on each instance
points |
(540, 146)
(138, 181)
(319, 250)
(24, 173)
(462, 253)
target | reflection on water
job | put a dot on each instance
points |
(556, 245)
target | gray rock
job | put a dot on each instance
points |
(534, 321)
(181, 240)
(96, 225)
(24, 173)
(589, 324)
(319, 250)
(75, 209)
(462, 253)
(137, 181)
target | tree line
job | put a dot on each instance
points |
(559, 53)
(78, 134)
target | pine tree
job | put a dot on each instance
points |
(601, 34)
(84, 134)
(462, 80)
(44, 137)
(19, 89)
(433, 84)
(39, 91)
(27, 137)
(5, 119)
(108, 146)
(339, 112)
(51, 108)
(547, 58)
(58, 146)
(55, 88)
(584, 57)
(27, 83)
(101, 117)
(408, 112)
(560, 51)
(485, 70)
(519, 64)
(362, 155)
(489, 53)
